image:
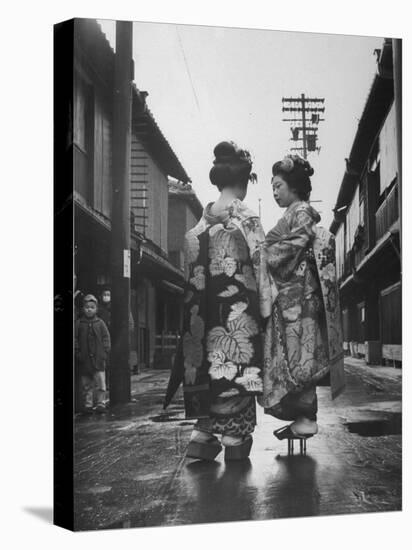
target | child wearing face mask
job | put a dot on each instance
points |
(92, 348)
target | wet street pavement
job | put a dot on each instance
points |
(131, 470)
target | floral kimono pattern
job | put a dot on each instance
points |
(222, 335)
(303, 340)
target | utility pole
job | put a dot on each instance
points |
(304, 121)
(304, 138)
(397, 77)
(120, 223)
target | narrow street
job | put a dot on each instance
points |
(130, 468)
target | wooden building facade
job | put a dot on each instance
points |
(156, 281)
(367, 228)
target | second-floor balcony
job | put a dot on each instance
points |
(387, 213)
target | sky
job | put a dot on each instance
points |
(209, 84)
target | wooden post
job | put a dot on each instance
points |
(120, 230)
(397, 77)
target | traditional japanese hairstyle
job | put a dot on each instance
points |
(232, 165)
(296, 171)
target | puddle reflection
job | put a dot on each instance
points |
(220, 492)
(215, 491)
(293, 492)
(287, 487)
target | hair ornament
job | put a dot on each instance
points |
(290, 161)
(287, 164)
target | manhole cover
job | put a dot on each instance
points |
(376, 428)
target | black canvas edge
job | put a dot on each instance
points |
(63, 385)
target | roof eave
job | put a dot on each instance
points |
(147, 129)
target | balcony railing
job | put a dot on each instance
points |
(387, 213)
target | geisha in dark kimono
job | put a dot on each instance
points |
(221, 357)
(303, 342)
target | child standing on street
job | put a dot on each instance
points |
(92, 348)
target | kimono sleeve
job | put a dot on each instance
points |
(255, 238)
(284, 253)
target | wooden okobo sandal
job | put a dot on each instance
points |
(239, 452)
(204, 450)
(286, 433)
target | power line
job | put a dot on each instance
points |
(187, 68)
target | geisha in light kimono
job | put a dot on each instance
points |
(303, 342)
(221, 356)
